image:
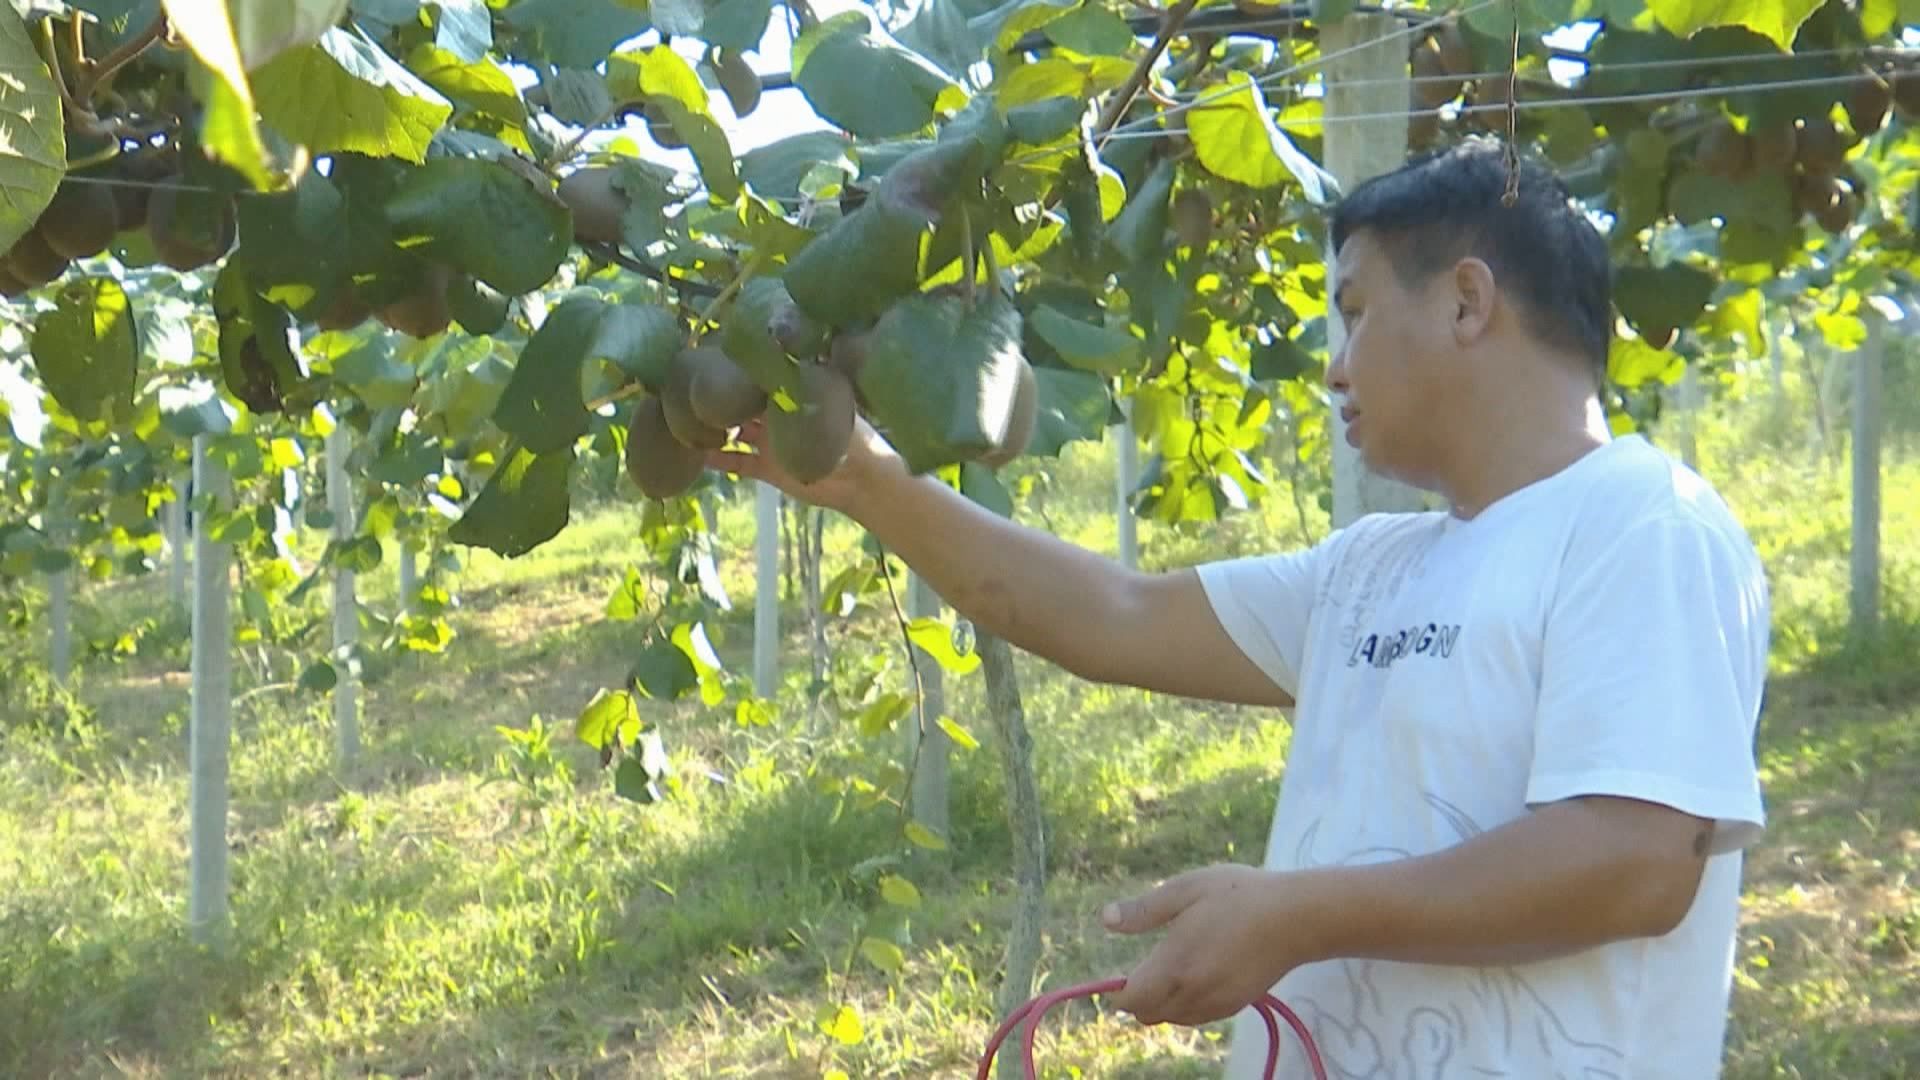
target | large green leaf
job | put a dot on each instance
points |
(859, 80)
(481, 85)
(541, 406)
(266, 28)
(1097, 348)
(229, 131)
(1235, 138)
(464, 28)
(777, 169)
(525, 504)
(737, 25)
(484, 217)
(940, 376)
(33, 157)
(612, 716)
(1670, 297)
(1775, 19)
(574, 33)
(295, 244)
(665, 80)
(637, 340)
(1073, 405)
(346, 94)
(85, 350)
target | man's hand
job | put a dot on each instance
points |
(870, 459)
(1230, 937)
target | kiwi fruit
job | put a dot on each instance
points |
(811, 441)
(189, 229)
(1838, 213)
(10, 286)
(129, 206)
(35, 263)
(795, 333)
(1723, 152)
(661, 128)
(344, 312)
(1659, 336)
(1773, 144)
(1451, 43)
(737, 80)
(1193, 218)
(80, 221)
(848, 354)
(1020, 422)
(676, 401)
(425, 312)
(1432, 86)
(1906, 95)
(721, 393)
(1866, 104)
(1819, 146)
(596, 203)
(660, 465)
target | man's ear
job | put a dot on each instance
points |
(1474, 295)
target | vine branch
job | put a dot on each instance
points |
(1123, 98)
(122, 55)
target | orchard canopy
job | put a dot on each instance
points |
(522, 246)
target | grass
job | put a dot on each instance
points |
(464, 903)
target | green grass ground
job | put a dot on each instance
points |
(463, 904)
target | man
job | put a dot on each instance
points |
(1521, 773)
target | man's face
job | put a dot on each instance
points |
(1391, 377)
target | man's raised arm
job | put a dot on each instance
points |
(1078, 609)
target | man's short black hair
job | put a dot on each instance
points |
(1444, 206)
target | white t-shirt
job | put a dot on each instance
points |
(1601, 631)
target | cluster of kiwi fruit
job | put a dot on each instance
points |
(706, 393)
(1439, 65)
(1809, 151)
(186, 227)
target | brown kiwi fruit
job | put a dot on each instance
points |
(189, 229)
(596, 203)
(423, 313)
(795, 333)
(344, 312)
(1659, 336)
(1906, 95)
(660, 465)
(1020, 422)
(738, 80)
(1432, 86)
(676, 401)
(1812, 191)
(1451, 42)
(721, 392)
(80, 221)
(1819, 146)
(1193, 218)
(1866, 104)
(1773, 144)
(848, 353)
(34, 262)
(1723, 152)
(10, 286)
(812, 441)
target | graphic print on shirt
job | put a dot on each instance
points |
(1436, 1040)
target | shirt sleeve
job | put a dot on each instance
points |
(1652, 667)
(1264, 602)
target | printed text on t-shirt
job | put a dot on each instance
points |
(1381, 650)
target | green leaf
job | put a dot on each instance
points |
(978, 483)
(863, 82)
(664, 671)
(85, 350)
(464, 29)
(1138, 233)
(639, 341)
(524, 504)
(843, 1026)
(1073, 405)
(197, 410)
(778, 169)
(1279, 358)
(541, 405)
(574, 33)
(935, 638)
(256, 343)
(960, 736)
(485, 218)
(479, 84)
(1632, 362)
(229, 132)
(1092, 30)
(294, 244)
(921, 836)
(1043, 121)
(940, 376)
(33, 157)
(577, 97)
(1235, 138)
(1842, 332)
(377, 376)
(737, 25)
(1777, 20)
(666, 81)
(884, 955)
(1670, 297)
(1101, 349)
(345, 94)
(879, 717)
(319, 677)
(899, 892)
(638, 779)
(611, 716)
(266, 28)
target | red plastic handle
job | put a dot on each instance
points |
(1268, 1007)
